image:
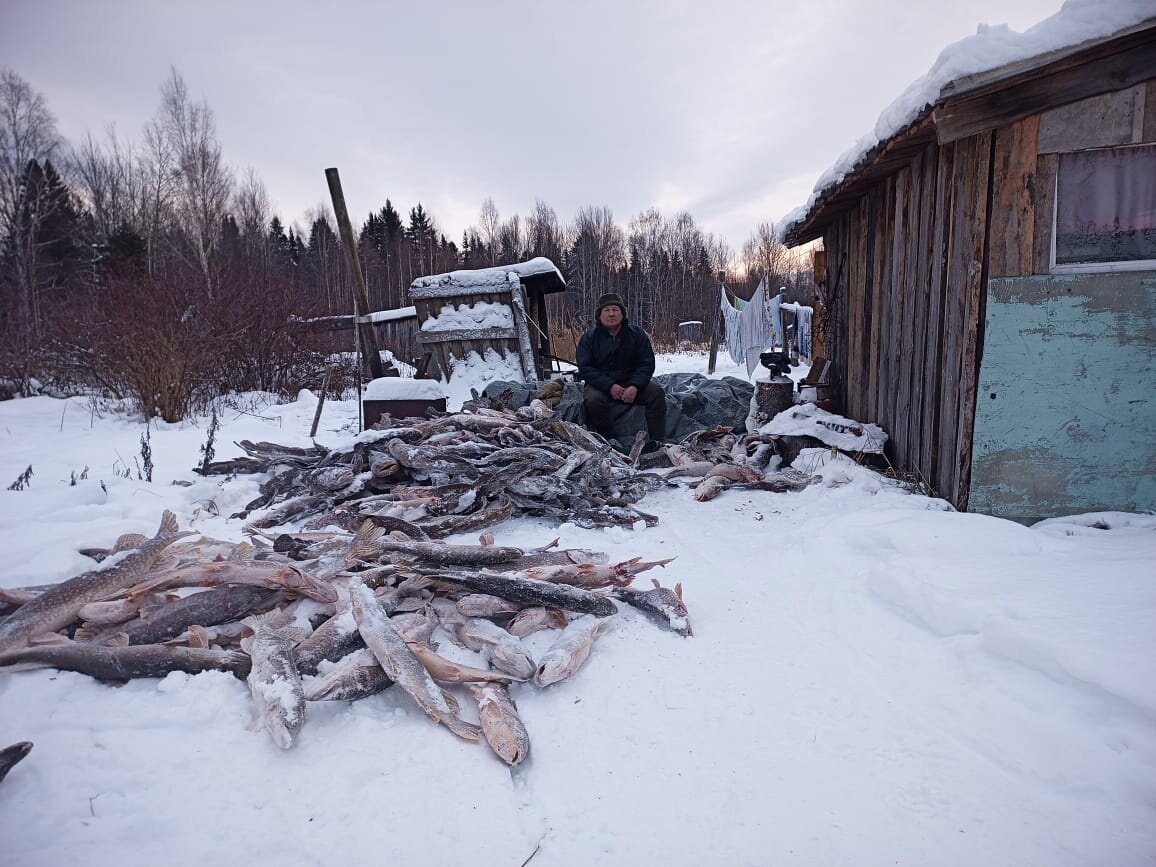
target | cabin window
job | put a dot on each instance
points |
(1106, 210)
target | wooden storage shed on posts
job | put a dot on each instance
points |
(500, 309)
(990, 285)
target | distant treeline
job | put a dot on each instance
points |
(151, 270)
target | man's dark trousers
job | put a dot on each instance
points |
(600, 408)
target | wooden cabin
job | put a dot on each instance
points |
(988, 284)
(445, 302)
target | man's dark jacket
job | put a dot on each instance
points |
(625, 359)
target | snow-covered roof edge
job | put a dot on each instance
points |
(491, 276)
(992, 47)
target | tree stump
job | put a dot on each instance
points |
(770, 399)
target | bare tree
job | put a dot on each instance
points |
(719, 254)
(251, 205)
(489, 223)
(28, 137)
(110, 180)
(765, 256)
(544, 233)
(511, 241)
(159, 174)
(597, 253)
(204, 183)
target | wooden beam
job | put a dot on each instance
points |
(1047, 166)
(450, 289)
(360, 295)
(975, 305)
(446, 335)
(1109, 66)
(542, 319)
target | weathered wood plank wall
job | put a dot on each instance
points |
(444, 350)
(909, 266)
(907, 303)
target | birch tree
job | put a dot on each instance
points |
(203, 181)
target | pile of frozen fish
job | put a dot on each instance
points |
(454, 473)
(463, 472)
(715, 459)
(332, 615)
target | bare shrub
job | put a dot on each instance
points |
(143, 338)
(258, 350)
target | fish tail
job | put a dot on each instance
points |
(464, 730)
(169, 528)
(271, 619)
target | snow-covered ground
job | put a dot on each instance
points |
(873, 680)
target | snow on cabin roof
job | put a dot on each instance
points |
(992, 47)
(538, 272)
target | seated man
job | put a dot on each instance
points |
(616, 361)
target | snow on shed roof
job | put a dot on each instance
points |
(991, 48)
(538, 272)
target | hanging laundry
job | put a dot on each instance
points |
(802, 327)
(803, 321)
(731, 317)
(755, 327)
(776, 315)
(747, 331)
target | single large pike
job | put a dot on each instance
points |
(448, 671)
(271, 574)
(441, 554)
(274, 680)
(402, 666)
(122, 662)
(527, 591)
(589, 575)
(58, 606)
(207, 608)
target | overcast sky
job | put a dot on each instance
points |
(729, 110)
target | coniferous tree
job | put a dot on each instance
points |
(323, 266)
(124, 254)
(65, 258)
(393, 250)
(420, 233)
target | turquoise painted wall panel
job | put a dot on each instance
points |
(1065, 418)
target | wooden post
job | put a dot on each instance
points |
(521, 325)
(716, 327)
(320, 402)
(545, 350)
(360, 295)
